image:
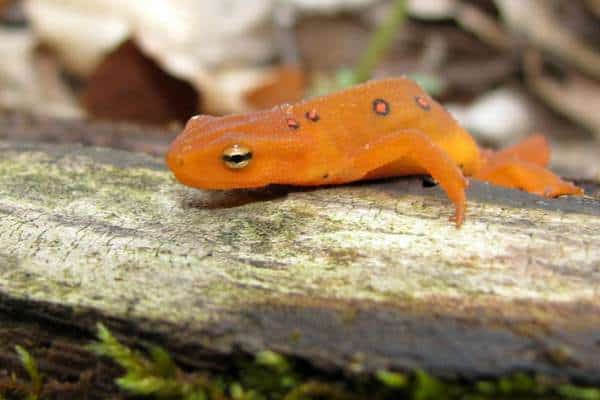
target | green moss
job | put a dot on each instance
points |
(8, 262)
(578, 393)
(13, 387)
(263, 226)
(35, 377)
(271, 376)
(344, 257)
(393, 380)
(154, 375)
(46, 180)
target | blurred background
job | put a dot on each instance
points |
(135, 71)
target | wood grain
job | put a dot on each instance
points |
(357, 277)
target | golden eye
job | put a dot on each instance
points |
(237, 156)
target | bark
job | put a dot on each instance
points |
(356, 277)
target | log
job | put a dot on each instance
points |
(352, 278)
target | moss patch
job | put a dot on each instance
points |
(272, 376)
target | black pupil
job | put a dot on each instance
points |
(237, 158)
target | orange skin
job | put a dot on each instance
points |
(378, 129)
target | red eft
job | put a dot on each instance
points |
(379, 129)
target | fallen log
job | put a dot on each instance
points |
(354, 278)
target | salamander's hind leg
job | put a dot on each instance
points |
(534, 149)
(528, 176)
(418, 147)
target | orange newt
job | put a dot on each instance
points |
(378, 129)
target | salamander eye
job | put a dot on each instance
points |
(237, 156)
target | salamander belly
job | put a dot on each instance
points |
(400, 167)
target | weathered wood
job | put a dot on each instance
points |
(150, 139)
(357, 277)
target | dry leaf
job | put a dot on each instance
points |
(127, 85)
(81, 33)
(190, 39)
(186, 36)
(497, 117)
(548, 33)
(216, 46)
(594, 6)
(432, 9)
(183, 35)
(29, 80)
(469, 17)
(576, 96)
(329, 6)
(239, 89)
(3, 5)
(286, 84)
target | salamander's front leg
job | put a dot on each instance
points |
(528, 176)
(417, 146)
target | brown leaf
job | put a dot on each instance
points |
(286, 85)
(577, 96)
(127, 85)
(547, 33)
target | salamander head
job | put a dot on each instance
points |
(238, 151)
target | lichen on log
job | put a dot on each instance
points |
(357, 277)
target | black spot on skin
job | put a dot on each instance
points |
(381, 107)
(325, 176)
